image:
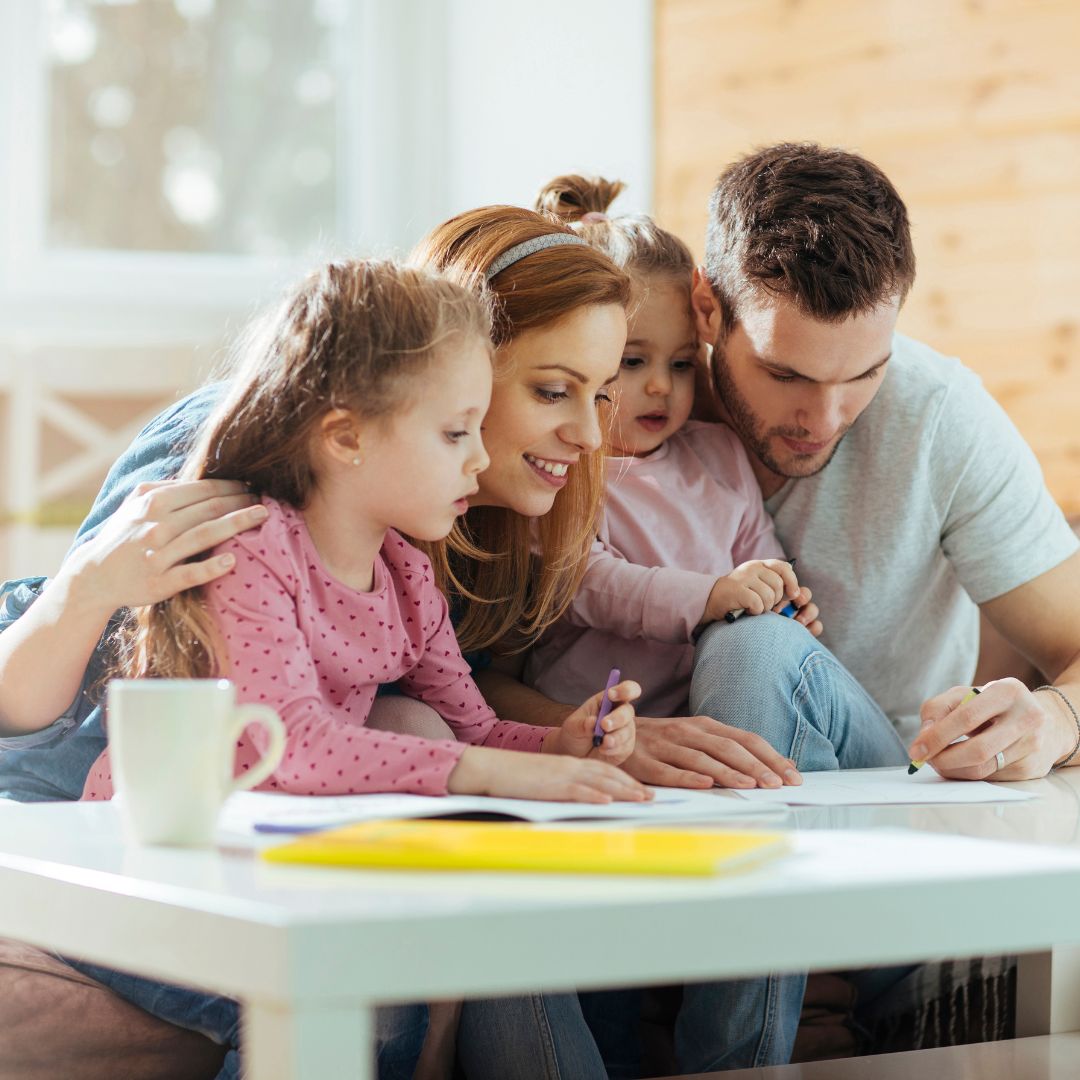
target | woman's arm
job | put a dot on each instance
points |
(137, 557)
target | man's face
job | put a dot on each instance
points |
(792, 386)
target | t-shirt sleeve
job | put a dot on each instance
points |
(442, 678)
(271, 663)
(1000, 527)
(656, 603)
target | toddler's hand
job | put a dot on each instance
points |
(575, 737)
(754, 587)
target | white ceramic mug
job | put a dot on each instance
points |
(172, 748)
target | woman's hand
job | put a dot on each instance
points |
(139, 556)
(575, 737)
(510, 774)
(1031, 731)
(136, 558)
(700, 752)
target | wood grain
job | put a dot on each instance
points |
(973, 109)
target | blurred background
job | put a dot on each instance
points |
(166, 165)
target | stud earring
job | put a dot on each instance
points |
(358, 460)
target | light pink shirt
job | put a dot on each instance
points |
(316, 651)
(674, 522)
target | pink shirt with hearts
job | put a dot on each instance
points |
(316, 651)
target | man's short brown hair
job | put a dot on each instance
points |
(819, 226)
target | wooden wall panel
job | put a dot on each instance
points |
(973, 109)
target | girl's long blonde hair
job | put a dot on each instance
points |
(356, 335)
(514, 576)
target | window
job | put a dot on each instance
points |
(193, 151)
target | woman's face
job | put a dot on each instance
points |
(550, 384)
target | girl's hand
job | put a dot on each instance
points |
(139, 555)
(575, 737)
(510, 774)
(754, 587)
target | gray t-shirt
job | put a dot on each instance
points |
(933, 503)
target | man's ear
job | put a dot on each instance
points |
(708, 316)
(339, 435)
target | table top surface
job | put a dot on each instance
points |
(68, 880)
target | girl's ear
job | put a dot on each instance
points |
(708, 316)
(339, 434)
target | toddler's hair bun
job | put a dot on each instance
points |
(569, 198)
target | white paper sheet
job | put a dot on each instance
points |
(248, 812)
(853, 787)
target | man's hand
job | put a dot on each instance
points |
(1031, 731)
(699, 752)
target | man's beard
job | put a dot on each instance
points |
(750, 429)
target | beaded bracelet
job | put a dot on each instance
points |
(1076, 720)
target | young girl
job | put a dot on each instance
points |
(357, 414)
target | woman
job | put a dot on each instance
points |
(560, 329)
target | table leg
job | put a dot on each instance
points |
(1048, 991)
(310, 1042)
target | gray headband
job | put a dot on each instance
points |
(527, 247)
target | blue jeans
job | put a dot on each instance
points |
(769, 675)
(735, 1024)
(535, 1037)
(399, 1029)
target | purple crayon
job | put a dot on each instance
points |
(605, 707)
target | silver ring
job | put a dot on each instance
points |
(1000, 755)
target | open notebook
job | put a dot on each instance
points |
(468, 845)
(249, 812)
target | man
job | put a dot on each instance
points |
(907, 494)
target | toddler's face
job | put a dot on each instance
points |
(655, 391)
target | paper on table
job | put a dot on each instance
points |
(852, 787)
(254, 811)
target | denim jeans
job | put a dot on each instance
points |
(769, 675)
(534, 1037)
(399, 1029)
(735, 1024)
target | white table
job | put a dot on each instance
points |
(311, 950)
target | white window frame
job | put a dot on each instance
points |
(390, 146)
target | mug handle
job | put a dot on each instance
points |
(275, 728)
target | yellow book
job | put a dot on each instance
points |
(467, 845)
